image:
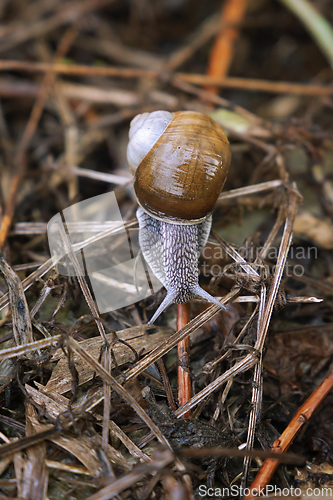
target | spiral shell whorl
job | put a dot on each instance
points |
(145, 130)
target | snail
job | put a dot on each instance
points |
(180, 162)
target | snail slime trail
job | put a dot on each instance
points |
(180, 162)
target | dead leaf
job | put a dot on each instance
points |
(137, 337)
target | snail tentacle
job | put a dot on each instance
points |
(197, 290)
(168, 300)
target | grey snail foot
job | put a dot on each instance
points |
(172, 252)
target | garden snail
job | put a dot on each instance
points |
(180, 163)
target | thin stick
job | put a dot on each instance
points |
(166, 383)
(222, 52)
(183, 351)
(252, 84)
(282, 444)
(249, 84)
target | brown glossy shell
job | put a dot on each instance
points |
(183, 174)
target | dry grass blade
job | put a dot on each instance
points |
(162, 460)
(265, 313)
(232, 252)
(34, 480)
(293, 196)
(250, 190)
(132, 448)
(13, 352)
(22, 328)
(88, 455)
(94, 94)
(21, 444)
(54, 403)
(92, 174)
(52, 464)
(242, 366)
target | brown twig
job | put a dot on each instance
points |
(250, 84)
(282, 444)
(166, 383)
(254, 84)
(222, 52)
(183, 351)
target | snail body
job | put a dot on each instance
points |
(180, 163)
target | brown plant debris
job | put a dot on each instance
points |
(96, 405)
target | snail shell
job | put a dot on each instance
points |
(182, 162)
